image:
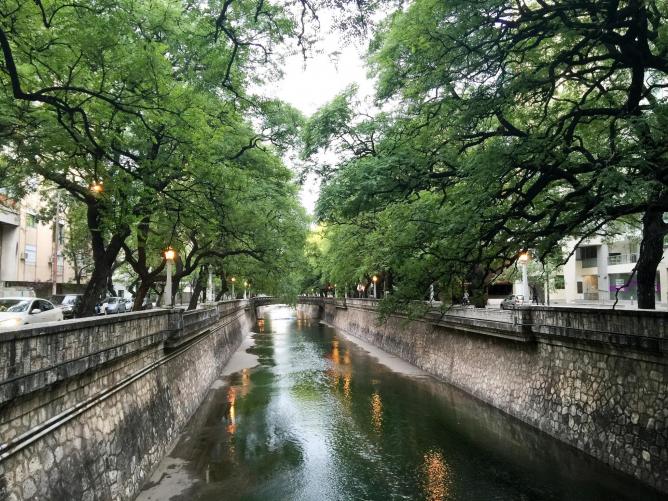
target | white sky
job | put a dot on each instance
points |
(308, 85)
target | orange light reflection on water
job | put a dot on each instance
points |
(376, 412)
(231, 413)
(437, 476)
(346, 385)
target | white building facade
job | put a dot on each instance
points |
(600, 271)
(597, 268)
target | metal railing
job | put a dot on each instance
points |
(623, 258)
(590, 262)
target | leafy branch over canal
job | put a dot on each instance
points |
(498, 127)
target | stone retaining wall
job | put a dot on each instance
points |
(608, 399)
(97, 433)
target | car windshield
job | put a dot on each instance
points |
(111, 300)
(14, 305)
(69, 300)
(58, 299)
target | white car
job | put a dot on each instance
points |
(17, 311)
(112, 305)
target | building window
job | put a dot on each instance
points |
(559, 282)
(31, 254)
(588, 252)
(588, 256)
(61, 234)
(31, 220)
(579, 287)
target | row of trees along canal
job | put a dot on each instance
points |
(498, 127)
(138, 115)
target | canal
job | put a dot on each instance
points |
(305, 413)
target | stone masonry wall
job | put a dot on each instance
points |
(606, 400)
(106, 450)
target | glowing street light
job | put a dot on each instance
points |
(375, 291)
(97, 187)
(233, 280)
(170, 255)
(246, 284)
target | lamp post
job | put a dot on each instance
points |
(375, 291)
(210, 292)
(245, 289)
(233, 280)
(524, 261)
(170, 254)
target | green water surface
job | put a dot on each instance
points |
(320, 419)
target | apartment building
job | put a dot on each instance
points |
(598, 268)
(31, 257)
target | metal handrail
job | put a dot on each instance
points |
(623, 259)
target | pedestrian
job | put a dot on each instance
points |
(465, 298)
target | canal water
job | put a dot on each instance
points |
(309, 414)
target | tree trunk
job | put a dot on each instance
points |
(199, 286)
(651, 253)
(103, 261)
(142, 292)
(479, 287)
(110, 284)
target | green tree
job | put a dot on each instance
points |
(529, 122)
(77, 250)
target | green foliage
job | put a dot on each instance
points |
(150, 100)
(513, 127)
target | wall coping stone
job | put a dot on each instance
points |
(34, 357)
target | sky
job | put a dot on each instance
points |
(308, 85)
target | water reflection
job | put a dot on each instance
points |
(376, 412)
(319, 419)
(436, 476)
(231, 412)
(346, 386)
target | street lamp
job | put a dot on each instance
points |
(96, 187)
(524, 261)
(375, 292)
(245, 288)
(233, 280)
(170, 254)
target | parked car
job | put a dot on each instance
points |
(129, 303)
(512, 301)
(17, 311)
(147, 304)
(67, 303)
(112, 305)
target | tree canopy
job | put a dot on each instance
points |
(141, 112)
(524, 123)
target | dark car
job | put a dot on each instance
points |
(512, 301)
(67, 303)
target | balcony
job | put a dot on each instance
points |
(623, 259)
(591, 262)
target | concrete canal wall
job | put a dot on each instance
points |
(596, 380)
(88, 408)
